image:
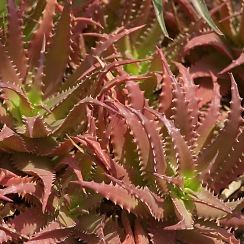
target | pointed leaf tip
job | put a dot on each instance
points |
(202, 10)
(158, 8)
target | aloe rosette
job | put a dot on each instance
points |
(168, 166)
(48, 79)
(85, 157)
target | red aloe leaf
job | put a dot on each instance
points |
(51, 236)
(182, 116)
(9, 140)
(155, 144)
(60, 44)
(37, 166)
(158, 234)
(115, 193)
(124, 152)
(92, 7)
(139, 134)
(137, 98)
(107, 68)
(190, 237)
(118, 80)
(15, 44)
(104, 160)
(6, 175)
(183, 214)
(7, 179)
(210, 120)
(232, 167)
(236, 221)
(165, 97)
(2, 197)
(55, 232)
(20, 188)
(35, 127)
(208, 213)
(235, 63)
(57, 148)
(231, 130)
(219, 234)
(88, 20)
(153, 202)
(185, 159)
(29, 221)
(100, 233)
(141, 236)
(190, 90)
(120, 139)
(207, 198)
(44, 30)
(7, 71)
(98, 51)
(72, 163)
(178, 181)
(211, 39)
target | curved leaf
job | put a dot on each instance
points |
(201, 8)
(37, 166)
(58, 53)
(15, 44)
(115, 193)
(43, 30)
(158, 7)
(29, 221)
(231, 130)
(154, 203)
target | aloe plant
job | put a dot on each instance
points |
(45, 89)
(204, 50)
(169, 170)
(86, 157)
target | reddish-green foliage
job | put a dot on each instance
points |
(86, 156)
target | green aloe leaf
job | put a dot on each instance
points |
(202, 10)
(158, 7)
(200, 7)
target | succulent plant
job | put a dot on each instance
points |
(47, 80)
(163, 169)
(86, 157)
(204, 50)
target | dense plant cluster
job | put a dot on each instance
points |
(100, 142)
